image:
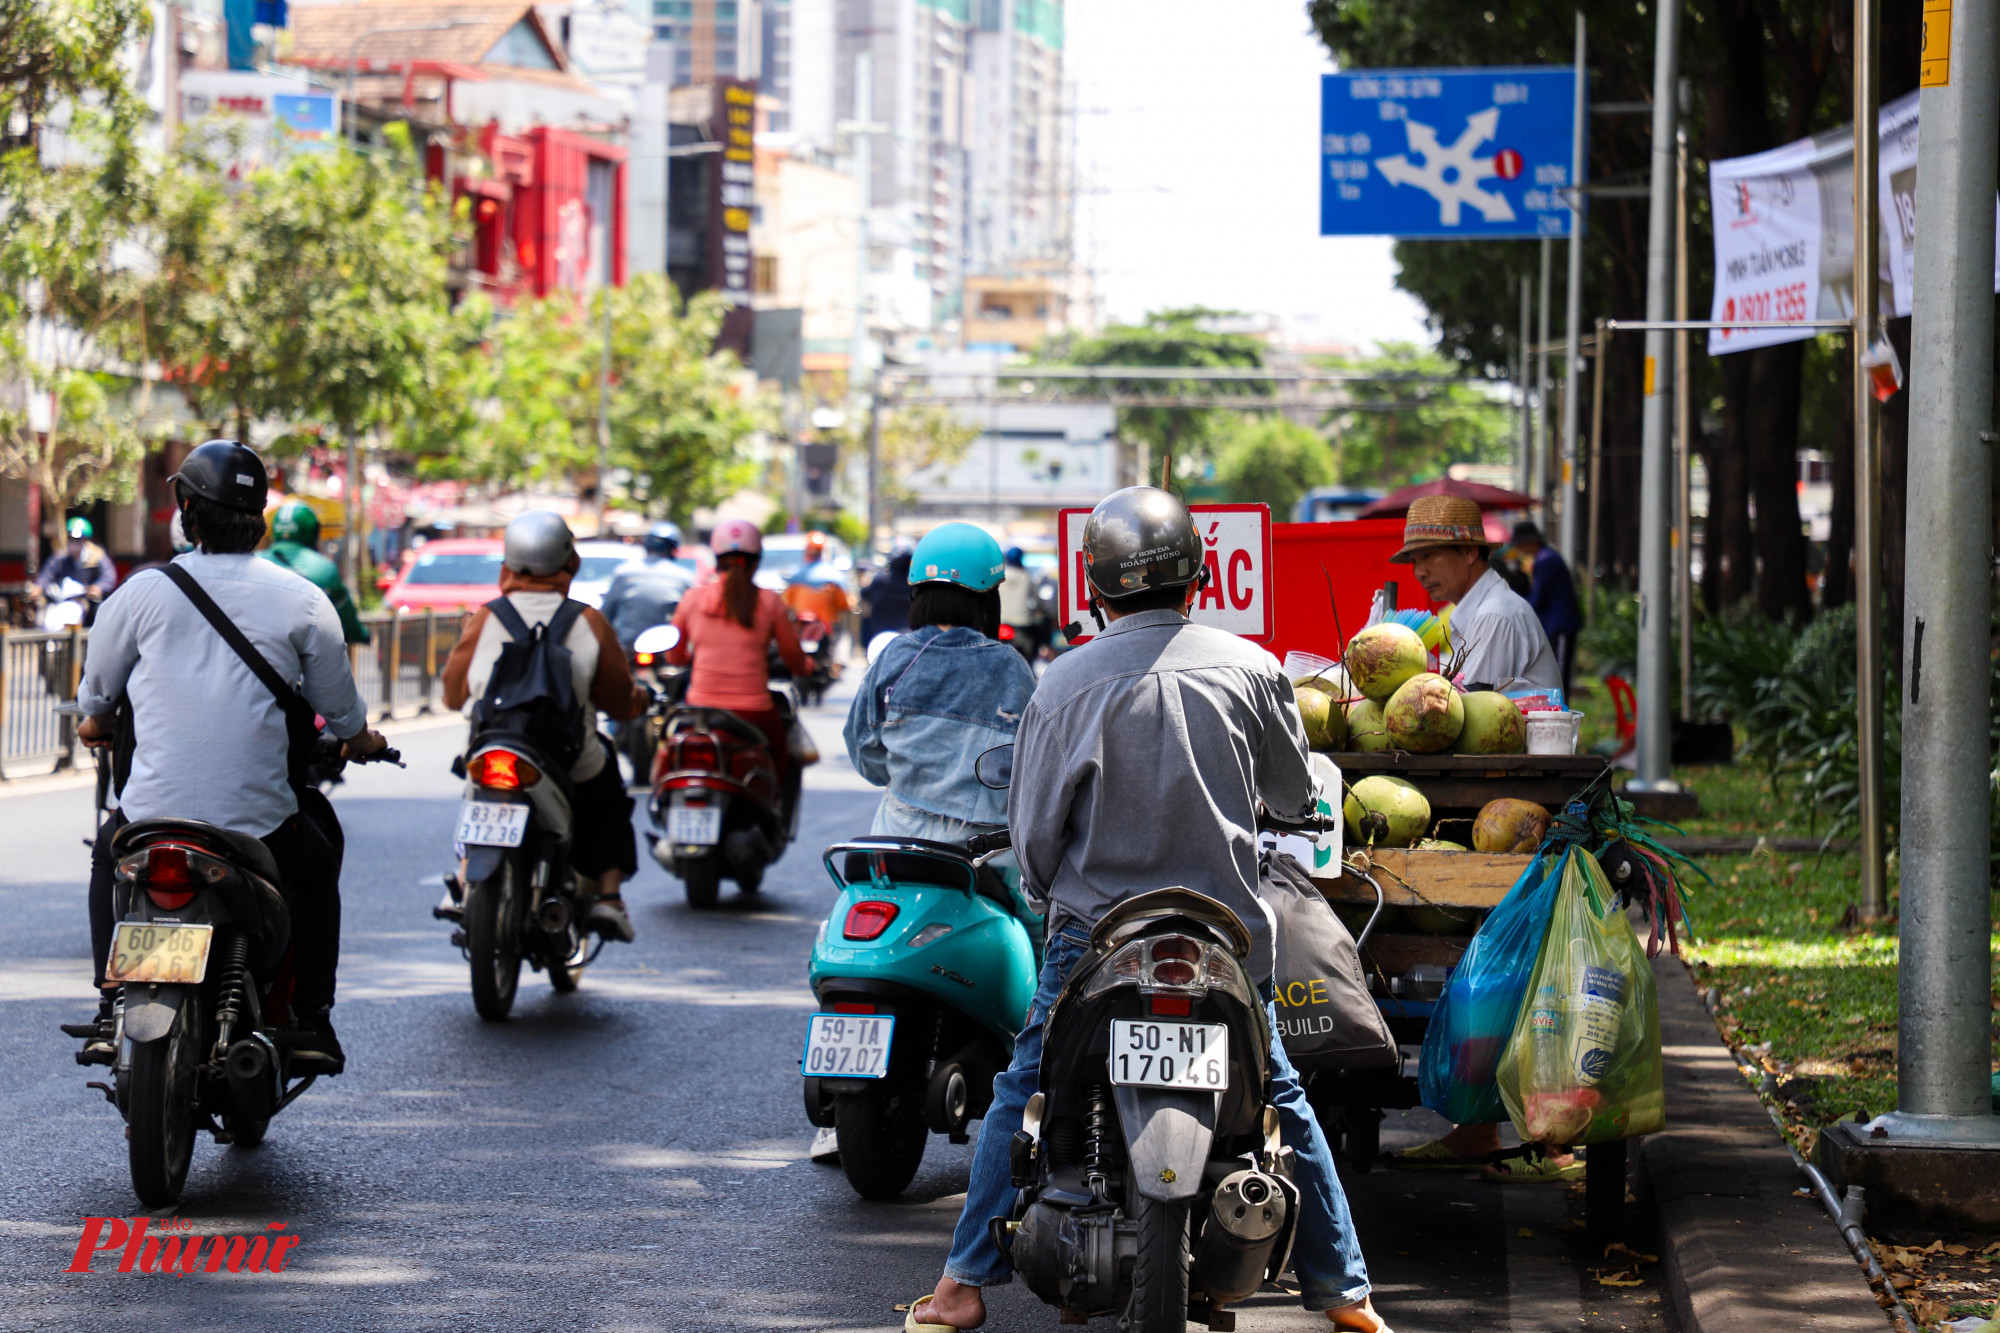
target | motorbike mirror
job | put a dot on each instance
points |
(658, 639)
(995, 768)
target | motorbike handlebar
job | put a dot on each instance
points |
(979, 844)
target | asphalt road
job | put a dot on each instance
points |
(630, 1157)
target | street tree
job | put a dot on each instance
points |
(1272, 461)
(915, 440)
(61, 56)
(1412, 419)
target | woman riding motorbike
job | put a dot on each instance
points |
(727, 628)
(941, 695)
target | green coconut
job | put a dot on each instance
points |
(1381, 657)
(1325, 720)
(1365, 730)
(1509, 826)
(1404, 813)
(1441, 845)
(1493, 725)
(1424, 715)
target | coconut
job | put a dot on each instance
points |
(1325, 720)
(1509, 826)
(1424, 715)
(1365, 730)
(1493, 725)
(1381, 657)
(1403, 812)
(1441, 845)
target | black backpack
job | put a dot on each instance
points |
(532, 692)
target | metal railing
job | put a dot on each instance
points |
(398, 674)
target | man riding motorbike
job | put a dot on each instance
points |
(727, 628)
(83, 560)
(1141, 762)
(538, 560)
(295, 545)
(941, 695)
(886, 599)
(820, 588)
(210, 740)
(644, 592)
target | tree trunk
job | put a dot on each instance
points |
(1727, 562)
(1837, 587)
(1773, 420)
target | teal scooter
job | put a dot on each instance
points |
(923, 971)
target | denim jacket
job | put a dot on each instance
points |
(934, 701)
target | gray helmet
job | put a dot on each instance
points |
(1140, 539)
(540, 543)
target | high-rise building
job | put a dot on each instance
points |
(1018, 197)
(713, 39)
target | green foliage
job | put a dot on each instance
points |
(1273, 461)
(58, 51)
(1432, 424)
(1182, 337)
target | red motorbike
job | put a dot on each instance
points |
(718, 808)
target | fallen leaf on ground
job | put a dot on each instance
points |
(1525, 1234)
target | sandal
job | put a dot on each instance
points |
(1434, 1156)
(912, 1324)
(1533, 1171)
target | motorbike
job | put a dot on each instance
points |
(514, 898)
(639, 738)
(68, 608)
(718, 810)
(201, 1033)
(1153, 1182)
(816, 641)
(923, 971)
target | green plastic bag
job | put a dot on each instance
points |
(1583, 1063)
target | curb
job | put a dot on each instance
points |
(1743, 1252)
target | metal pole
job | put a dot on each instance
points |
(350, 495)
(1596, 489)
(1655, 772)
(874, 468)
(1683, 437)
(1541, 475)
(1867, 465)
(1527, 456)
(859, 381)
(1573, 303)
(1945, 964)
(603, 505)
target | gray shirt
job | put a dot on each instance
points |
(1499, 638)
(644, 593)
(211, 738)
(1139, 765)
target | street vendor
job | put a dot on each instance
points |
(1497, 641)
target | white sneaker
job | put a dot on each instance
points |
(607, 917)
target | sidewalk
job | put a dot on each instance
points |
(1744, 1253)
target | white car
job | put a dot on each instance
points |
(600, 561)
(785, 555)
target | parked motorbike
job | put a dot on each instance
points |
(202, 1029)
(1153, 1182)
(718, 809)
(515, 898)
(924, 972)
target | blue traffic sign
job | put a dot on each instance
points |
(1447, 152)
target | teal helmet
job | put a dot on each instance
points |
(80, 529)
(958, 553)
(295, 522)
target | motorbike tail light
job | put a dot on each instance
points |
(1176, 961)
(172, 874)
(643, 659)
(848, 1007)
(1006, 634)
(1172, 1006)
(503, 770)
(696, 751)
(867, 920)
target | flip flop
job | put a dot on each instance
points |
(1540, 1171)
(1434, 1156)
(912, 1324)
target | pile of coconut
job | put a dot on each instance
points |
(1398, 705)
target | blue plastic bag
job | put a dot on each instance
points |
(1475, 1016)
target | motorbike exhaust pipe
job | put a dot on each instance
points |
(252, 1067)
(663, 852)
(553, 916)
(1244, 1224)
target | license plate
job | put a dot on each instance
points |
(847, 1046)
(149, 951)
(698, 825)
(1194, 1056)
(492, 823)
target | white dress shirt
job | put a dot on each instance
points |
(211, 741)
(1498, 639)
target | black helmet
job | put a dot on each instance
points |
(226, 473)
(1140, 539)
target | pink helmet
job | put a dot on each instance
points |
(736, 535)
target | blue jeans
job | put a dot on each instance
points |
(1326, 1254)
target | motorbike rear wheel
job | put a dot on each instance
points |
(882, 1135)
(702, 878)
(161, 1109)
(1160, 1269)
(493, 938)
(564, 976)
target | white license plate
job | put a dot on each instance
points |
(697, 825)
(1194, 1056)
(492, 823)
(847, 1046)
(148, 951)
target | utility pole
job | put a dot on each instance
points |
(860, 381)
(1541, 475)
(1527, 455)
(1683, 434)
(1579, 156)
(1874, 891)
(1655, 772)
(1945, 966)
(603, 505)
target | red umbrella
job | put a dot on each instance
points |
(1397, 503)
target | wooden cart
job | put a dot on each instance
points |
(1407, 967)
